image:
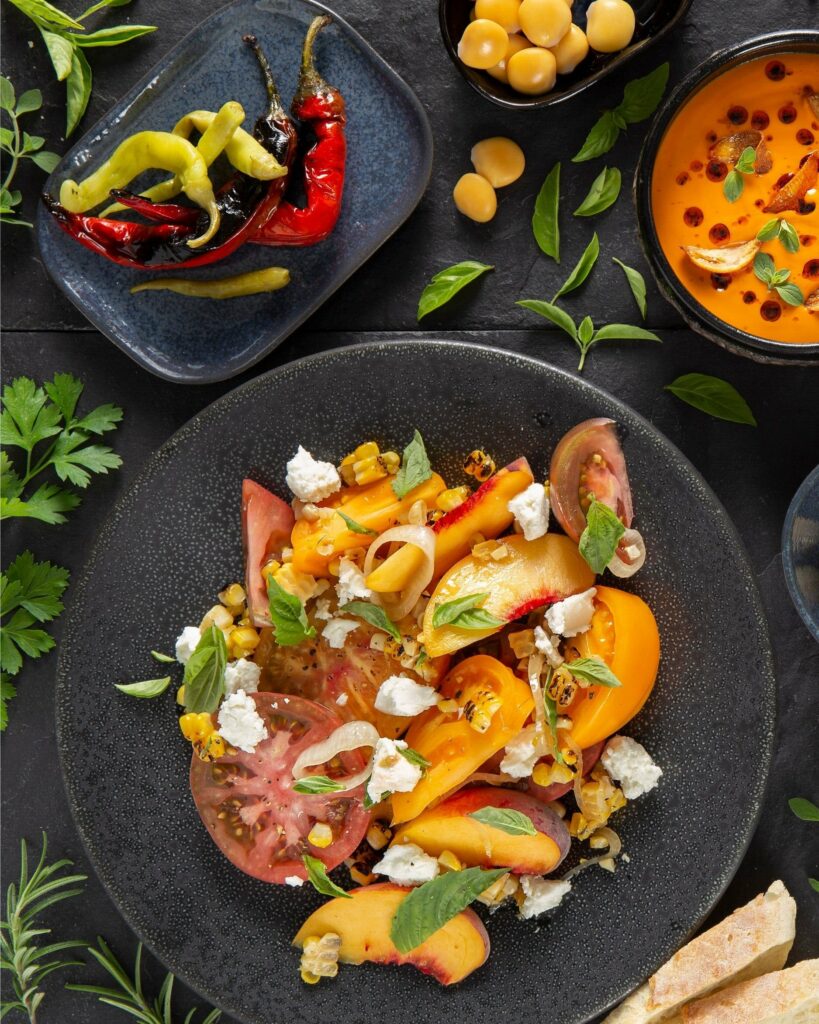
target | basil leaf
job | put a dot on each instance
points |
(636, 282)
(582, 268)
(317, 876)
(642, 96)
(747, 159)
(558, 316)
(422, 657)
(414, 757)
(585, 331)
(733, 186)
(355, 527)
(375, 615)
(604, 192)
(78, 90)
(770, 230)
(290, 624)
(204, 678)
(7, 97)
(29, 101)
(464, 613)
(551, 719)
(147, 688)
(764, 267)
(545, 225)
(112, 36)
(513, 823)
(600, 538)
(790, 293)
(430, 906)
(414, 469)
(814, 884)
(447, 283)
(602, 136)
(624, 332)
(804, 809)
(61, 52)
(712, 395)
(788, 236)
(165, 658)
(593, 670)
(316, 784)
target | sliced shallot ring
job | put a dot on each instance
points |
(726, 259)
(633, 547)
(543, 736)
(421, 537)
(615, 846)
(790, 196)
(349, 736)
(577, 786)
(812, 302)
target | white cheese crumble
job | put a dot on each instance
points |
(240, 724)
(186, 643)
(242, 675)
(407, 864)
(293, 880)
(520, 755)
(548, 645)
(336, 630)
(402, 696)
(351, 584)
(342, 699)
(392, 772)
(309, 479)
(573, 615)
(541, 894)
(531, 511)
(630, 764)
(321, 609)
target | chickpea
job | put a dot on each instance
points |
(609, 25)
(516, 42)
(475, 198)
(500, 161)
(504, 12)
(571, 49)
(483, 44)
(532, 71)
(545, 22)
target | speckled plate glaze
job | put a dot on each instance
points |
(388, 165)
(800, 551)
(173, 542)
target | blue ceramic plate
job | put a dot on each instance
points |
(194, 341)
(800, 551)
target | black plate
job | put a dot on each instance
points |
(173, 542)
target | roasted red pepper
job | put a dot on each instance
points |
(164, 213)
(321, 107)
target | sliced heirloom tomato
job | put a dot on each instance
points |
(266, 525)
(624, 634)
(251, 810)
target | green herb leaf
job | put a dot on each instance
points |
(7, 691)
(316, 784)
(446, 284)
(414, 469)
(770, 230)
(29, 101)
(46, 161)
(164, 658)
(788, 236)
(465, 613)
(642, 96)
(428, 907)
(600, 538)
(100, 420)
(147, 688)
(204, 678)
(713, 396)
(602, 136)
(513, 823)
(375, 615)
(422, 657)
(78, 90)
(637, 283)
(354, 526)
(290, 623)
(585, 331)
(42, 12)
(790, 293)
(7, 96)
(733, 186)
(47, 503)
(814, 884)
(317, 876)
(551, 720)
(112, 36)
(764, 267)
(558, 316)
(604, 192)
(593, 670)
(746, 161)
(30, 592)
(624, 332)
(545, 225)
(61, 51)
(414, 757)
(582, 268)
(804, 809)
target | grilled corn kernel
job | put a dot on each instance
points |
(448, 861)
(501, 889)
(243, 640)
(211, 748)
(579, 827)
(598, 842)
(301, 584)
(361, 877)
(448, 707)
(196, 726)
(479, 711)
(270, 569)
(320, 835)
(319, 956)
(232, 596)
(367, 464)
(548, 774)
(378, 835)
(218, 616)
(479, 464)
(522, 643)
(308, 977)
(180, 695)
(452, 498)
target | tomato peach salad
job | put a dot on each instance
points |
(424, 683)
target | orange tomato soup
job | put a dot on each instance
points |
(770, 95)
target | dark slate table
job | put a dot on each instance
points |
(753, 471)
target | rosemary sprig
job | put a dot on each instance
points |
(23, 956)
(129, 996)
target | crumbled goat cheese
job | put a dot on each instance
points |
(520, 755)
(572, 616)
(548, 645)
(242, 675)
(186, 643)
(407, 864)
(309, 479)
(402, 696)
(541, 894)
(351, 583)
(630, 764)
(293, 880)
(342, 699)
(392, 772)
(240, 724)
(321, 609)
(531, 511)
(336, 630)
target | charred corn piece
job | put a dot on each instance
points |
(479, 464)
(319, 957)
(367, 464)
(196, 726)
(301, 584)
(218, 616)
(233, 597)
(480, 710)
(451, 498)
(320, 835)
(378, 835)
(243, 640)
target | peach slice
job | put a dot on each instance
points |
(363, 923)
(483, 512)
(449, 827)
(531, 574)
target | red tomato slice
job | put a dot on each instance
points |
(267, 523)
(250, 808)
(591, 755)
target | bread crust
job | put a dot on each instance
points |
(784, 997)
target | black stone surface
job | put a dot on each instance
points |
(753, 471)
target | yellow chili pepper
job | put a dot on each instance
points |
(254, 281)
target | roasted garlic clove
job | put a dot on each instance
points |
(725, 260)
(793, 192)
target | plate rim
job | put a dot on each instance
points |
(98, 130)
(786, 545)
(748, 578)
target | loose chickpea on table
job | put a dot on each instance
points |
(497, 162)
